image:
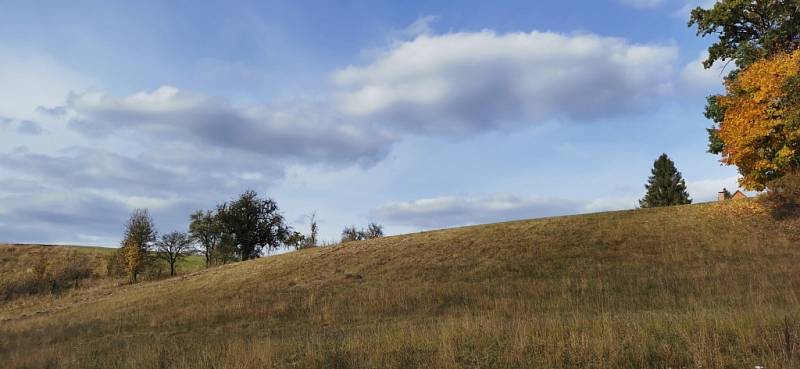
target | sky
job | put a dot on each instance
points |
(416, 115)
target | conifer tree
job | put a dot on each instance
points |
(665, 187)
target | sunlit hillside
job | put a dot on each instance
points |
(710, 285)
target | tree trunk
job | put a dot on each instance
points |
(172, 268)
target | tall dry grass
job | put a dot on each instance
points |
(702, 286)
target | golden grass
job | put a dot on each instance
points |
(16, 258)
(700, 286)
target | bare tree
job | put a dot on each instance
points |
(351, 234)
(374, 230)
(311, 239)
(172, 247)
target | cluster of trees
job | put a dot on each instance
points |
(756, 123)
(351, 233)
(142, 248)
(238, 230)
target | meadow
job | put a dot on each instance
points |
(696, 286)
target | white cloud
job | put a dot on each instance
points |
(302, 130)
(449, 211)
(706, 189)
(421, 26)
(642, 3)
(696, 77)
(30, 78)
(475, 81)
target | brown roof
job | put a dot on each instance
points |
(738, 195)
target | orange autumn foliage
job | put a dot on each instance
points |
(133, 259)
(760, 129)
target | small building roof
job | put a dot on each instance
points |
(739, 195)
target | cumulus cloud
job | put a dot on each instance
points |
(475, 81)
(168, 150)
(45, 197)
(151, 174)
(302, 130)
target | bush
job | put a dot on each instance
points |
(75, 268)
(25, 285)
(373, 230)
(783, 195)
(41, 279)
(114, 265)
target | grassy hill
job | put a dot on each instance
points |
(699, 286)
(17, 259)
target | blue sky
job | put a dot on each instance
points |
(416, 115)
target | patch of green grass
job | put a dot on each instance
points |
(700, 286)
(191, 263)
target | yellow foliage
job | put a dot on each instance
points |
(756, 131)
(132, 258)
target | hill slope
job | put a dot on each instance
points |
(16, 258)
(712, 286)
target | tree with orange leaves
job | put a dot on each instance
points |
(760, 125)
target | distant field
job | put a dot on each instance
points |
(698, 286)
(19, 258)
(16, 259)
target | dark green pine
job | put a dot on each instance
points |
(665, 187)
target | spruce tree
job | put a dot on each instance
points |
(665, 187)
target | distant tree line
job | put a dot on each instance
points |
(238, 230)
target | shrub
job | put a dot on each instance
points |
(41, 279)
(783, 195)
(373, 230)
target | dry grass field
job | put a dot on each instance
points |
(698, 286)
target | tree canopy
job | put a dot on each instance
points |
(747, 31)
(760, 129)
(206, 230)
(172, 247)
(140, 233)
(253, 223)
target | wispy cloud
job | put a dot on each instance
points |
(641, 3)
